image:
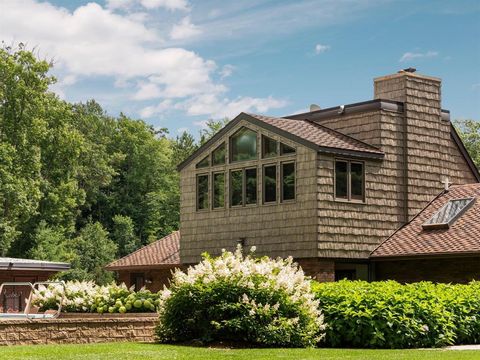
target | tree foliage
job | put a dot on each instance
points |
(77, 184)
(469, 131)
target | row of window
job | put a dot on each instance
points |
(243, 186)
(243, 147)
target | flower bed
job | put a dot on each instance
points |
(88, 297)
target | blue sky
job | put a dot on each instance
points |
(177, 63)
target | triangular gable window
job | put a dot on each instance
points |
(286, 150)
(448, 214)
(205, 162)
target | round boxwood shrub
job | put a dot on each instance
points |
(233, 298)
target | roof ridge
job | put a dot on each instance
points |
(143, 248)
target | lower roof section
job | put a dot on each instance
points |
(461, 238)
(163, 253)
(8, 263)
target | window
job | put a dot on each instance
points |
(243, 185)
(288, 181)
(269, 147)
(269, 183)
(202, 192)
(205, 162)
(243, 145)
(341, 180)
(286, 150)
(356, 175)
(218, 190)
(250, 186)
(218, 155)
(448, 214)
(236, 188)
(349, 180)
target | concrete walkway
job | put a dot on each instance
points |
(463, 347)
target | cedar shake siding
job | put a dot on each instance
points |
(430, 151)
(280, 229)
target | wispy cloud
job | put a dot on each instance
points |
(319, 48)
(184, 30)
(148, 4)
(227, 70)
(409, 56)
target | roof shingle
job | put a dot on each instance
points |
(161, 253)
(318, 134)
(463, 236)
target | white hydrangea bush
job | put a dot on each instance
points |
(86, 296)
(242, 299)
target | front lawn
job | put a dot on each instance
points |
(133, 351)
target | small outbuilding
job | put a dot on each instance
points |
(150, 266)
(12, 298)
(441, 243)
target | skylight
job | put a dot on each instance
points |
(448, 214)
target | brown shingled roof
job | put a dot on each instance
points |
(163, 253)
(306, 132)
(463, 236)
(318, 134)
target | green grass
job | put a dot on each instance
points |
(133, 351)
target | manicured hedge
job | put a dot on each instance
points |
(391, 315)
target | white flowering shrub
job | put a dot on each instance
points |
(86, 296)
(243, 299)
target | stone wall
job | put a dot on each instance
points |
(79, 329)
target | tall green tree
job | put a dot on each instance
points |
(469, 131)
(51, 244)
(94, 249)
(123, 234)
(212, 127)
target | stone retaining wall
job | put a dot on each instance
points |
(79, 329)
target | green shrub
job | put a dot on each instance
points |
(391, 315)
(243, 299)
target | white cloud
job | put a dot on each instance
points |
(150, 111)
(181, 130)
(148, 4)
(409, 56)
(98, 43)
(319, 48)
(227, 70)
(211, 106)
(93, 41)
(184, 30)
(147, 91)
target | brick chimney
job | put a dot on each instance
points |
(427, 146)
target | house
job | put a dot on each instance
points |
(13, 298)
(441, 243)
(151, 265)
(327, 186)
